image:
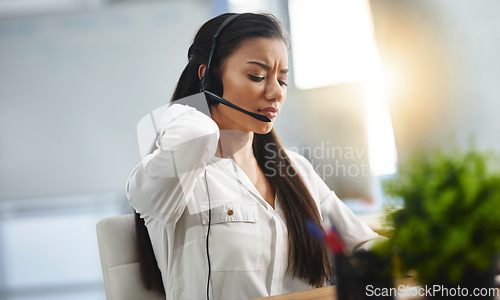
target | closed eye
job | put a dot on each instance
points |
(259, 79)
(256, 78)
(282, 83)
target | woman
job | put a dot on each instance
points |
(223, 203)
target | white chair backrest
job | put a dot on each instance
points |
(120, 261)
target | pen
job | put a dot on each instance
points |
(316, 230)
(335, 238)
(334, 231)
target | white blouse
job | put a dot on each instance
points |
(173, 189)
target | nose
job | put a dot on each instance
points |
(275, 91)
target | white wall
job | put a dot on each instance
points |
(445, 67)
(73, 86)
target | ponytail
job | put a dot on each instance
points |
(148, 266)
(307, 258)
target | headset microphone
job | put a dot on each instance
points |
(212, 87)
(225, 102)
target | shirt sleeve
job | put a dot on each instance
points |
(162, 181)
(354, 232)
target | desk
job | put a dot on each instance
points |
(323, 293)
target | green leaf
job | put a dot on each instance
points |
(451, 215)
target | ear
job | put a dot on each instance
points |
(201, 71)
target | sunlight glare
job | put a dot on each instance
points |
(333, 42)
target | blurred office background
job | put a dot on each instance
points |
(372, 82)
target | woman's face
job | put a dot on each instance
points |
(254, 78)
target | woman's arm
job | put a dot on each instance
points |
(161, 182)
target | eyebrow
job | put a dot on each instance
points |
(264, 66)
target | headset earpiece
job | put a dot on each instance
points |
(210, 82)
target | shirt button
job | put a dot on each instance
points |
(230, 212)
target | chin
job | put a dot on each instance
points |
(264, 129)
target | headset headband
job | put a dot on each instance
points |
(204, 81)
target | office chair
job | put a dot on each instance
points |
(119, 260)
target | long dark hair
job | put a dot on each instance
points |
(308, 259)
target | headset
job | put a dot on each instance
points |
(212, 86)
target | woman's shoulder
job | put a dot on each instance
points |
(309, 176)
(299, 161)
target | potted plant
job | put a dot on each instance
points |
(448, 230)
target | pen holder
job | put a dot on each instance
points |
(362, 275)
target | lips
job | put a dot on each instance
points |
(270, 112)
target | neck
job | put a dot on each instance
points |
(235, 144)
